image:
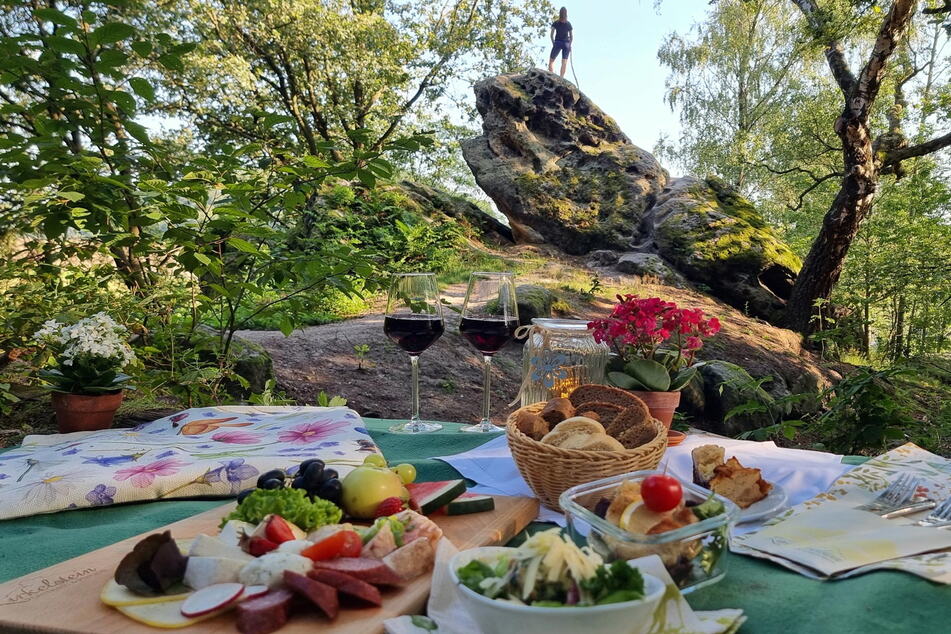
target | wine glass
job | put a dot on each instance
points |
(414, 321)
(489, 320)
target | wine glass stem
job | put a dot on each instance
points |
(486, 390)
(414, 362)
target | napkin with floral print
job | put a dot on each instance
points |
(209, 451)
(826, 537)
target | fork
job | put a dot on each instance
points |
(941, 516)
(894, 496)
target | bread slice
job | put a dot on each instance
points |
(602, 394)
(743, 485)
(638, 435)
(706, 458)
(633, 416)
(606, 412)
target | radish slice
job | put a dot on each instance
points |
(254, 591)
(211, 598)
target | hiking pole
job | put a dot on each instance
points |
(571, 60)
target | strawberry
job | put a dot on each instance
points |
(389, 506)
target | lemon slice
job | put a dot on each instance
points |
(117, 595)
(625, 519)
(166, 615)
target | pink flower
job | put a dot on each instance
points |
(143, 475)
(237, 436)
(310, 432)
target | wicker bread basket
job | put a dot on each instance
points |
(549, 470)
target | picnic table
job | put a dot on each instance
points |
(773, 598)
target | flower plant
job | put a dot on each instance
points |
(89, 355)
(656, 343)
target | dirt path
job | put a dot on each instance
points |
(378, 385)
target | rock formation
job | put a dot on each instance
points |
(562, 171)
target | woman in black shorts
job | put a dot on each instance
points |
(561, 38)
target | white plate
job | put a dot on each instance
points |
(765, 508)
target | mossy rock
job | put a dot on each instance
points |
(715, 237)
(726, 386)
(533, 301)
(251, 361)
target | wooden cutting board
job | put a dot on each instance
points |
(65, 597)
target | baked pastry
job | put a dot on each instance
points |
(581, 433)
(602, 394)
(706, 458)
(557, 410)
(532, 425)
(743, 485)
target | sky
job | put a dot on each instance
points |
(615, 51)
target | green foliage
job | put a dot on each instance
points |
(330, 401)
(775, 409)
(866, 412)
(270, 396)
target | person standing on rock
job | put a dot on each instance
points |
(561, 38)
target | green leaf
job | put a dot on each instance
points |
(55, 16)
(124, 100)
(424, 622)
(649, 373)
(110, 33)
(72, 196)
(243, 245)
(142, 88)
(201, 257)
(171, 62)
(626, 382)
(138, 132)
(367, 178)
(65, 45)
(682, 378)
(142, 48)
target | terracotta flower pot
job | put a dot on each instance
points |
(661, 404)
(82, 412)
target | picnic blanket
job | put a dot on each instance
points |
(209, 451)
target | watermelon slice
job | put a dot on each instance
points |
(470, 503)
(430, 496)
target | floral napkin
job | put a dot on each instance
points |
(827, 538)
(446, 614)
(211, 451)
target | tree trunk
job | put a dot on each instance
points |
(823, 265)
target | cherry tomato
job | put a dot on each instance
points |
(661, 492)
(340, 544)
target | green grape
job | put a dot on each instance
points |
(406, 472)
(375, 459)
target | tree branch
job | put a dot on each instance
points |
(863, 93)
(835, 53)
(920, 149)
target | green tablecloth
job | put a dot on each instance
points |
(774, 599)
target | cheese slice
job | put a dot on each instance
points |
(115, 595)
(166, 615)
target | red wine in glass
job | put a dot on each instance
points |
(413, 333)
(488, 335)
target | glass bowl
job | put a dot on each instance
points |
(694, 555)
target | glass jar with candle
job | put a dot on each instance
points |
(560, 355)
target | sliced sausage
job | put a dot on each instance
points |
(363, 568)
(320, 594)
(264, 614)
(412, 560)
(345, 584)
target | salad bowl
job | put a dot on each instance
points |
(627, 617)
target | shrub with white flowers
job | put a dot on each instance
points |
(90, 355)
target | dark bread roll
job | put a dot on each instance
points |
(531, 424)
(602, 394)
(606, 412)
(632, 416)
(557, 410)
(637, 435)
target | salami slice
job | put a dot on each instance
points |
(320, 594)
(363, 568)
(348, 585)
(264, 614)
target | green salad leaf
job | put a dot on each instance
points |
(396, 527)
(291, 504)
(615, 583)
(472, 574)
(710, 507)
